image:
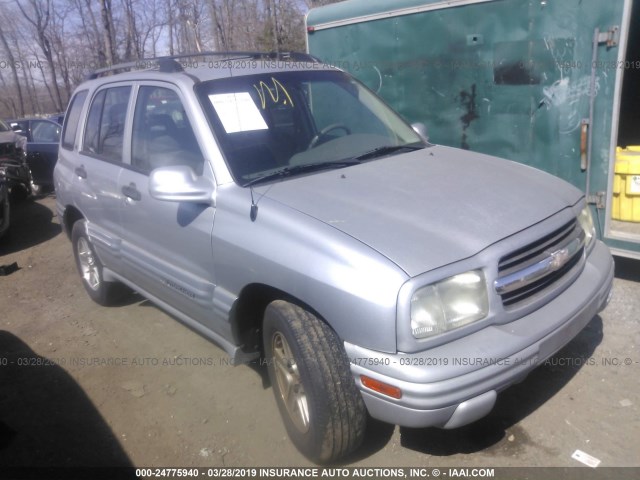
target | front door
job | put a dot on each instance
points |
(166, 247)
(42, 150)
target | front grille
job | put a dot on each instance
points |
(530, 270)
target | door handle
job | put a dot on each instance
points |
(81, 172)
(131, 191)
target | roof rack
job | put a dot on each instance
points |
(168, 64)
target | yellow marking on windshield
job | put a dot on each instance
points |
(274, 94)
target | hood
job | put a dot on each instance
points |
(431, 207)
(10, 141)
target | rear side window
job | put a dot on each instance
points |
(72, 119)
(104, 134)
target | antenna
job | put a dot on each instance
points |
(253, 213)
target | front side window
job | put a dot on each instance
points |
(162, 135)
(104, 134)
(290, 122)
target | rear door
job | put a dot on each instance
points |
(166, 247)
(97, 167)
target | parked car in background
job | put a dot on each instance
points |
(57, 117)
(13, 166)
(42, 148)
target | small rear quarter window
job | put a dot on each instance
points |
(72, 119)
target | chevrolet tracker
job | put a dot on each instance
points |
(278, 207)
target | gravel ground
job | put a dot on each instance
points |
(130, 386)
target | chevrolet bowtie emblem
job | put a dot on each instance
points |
(559, 258)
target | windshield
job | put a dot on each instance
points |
(282, 121)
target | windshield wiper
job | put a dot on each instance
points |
(302, 168)
(386, 150)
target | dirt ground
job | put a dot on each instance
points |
(84, 385)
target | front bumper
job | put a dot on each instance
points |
(4, 209)
(468, 382)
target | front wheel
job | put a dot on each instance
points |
(320, 404)
(90, 268)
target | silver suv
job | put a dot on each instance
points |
(278, 207)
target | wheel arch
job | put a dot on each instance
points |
(248, 312)
(71, 216)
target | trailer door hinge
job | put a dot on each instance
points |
(611, 37)
(597, 199)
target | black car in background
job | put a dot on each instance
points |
(13, 166)
(15, 178)
(4, 205)
(57, 117)
(42, 148)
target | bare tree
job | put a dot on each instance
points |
(189, 24)
(282, 27)
(152, 24)
(170, 25)
(90, 31)
(39, 17)
(194, 24)
(250, 17)
(106, 15)
(220, 12)
(72, 37)
(13, 66)
(59, 47)
(134, 47)
(272, 14)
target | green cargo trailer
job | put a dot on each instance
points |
(554, 84)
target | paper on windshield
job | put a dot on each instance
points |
(237, 112)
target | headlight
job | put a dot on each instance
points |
(449, 304)
(586, 222)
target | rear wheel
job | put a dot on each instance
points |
(320, 404)
(90, 268)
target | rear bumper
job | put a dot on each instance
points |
(463, 396)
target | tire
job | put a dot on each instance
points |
(323, 412)
(90, 268)
(20, 193)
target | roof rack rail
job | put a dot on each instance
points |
(168, 64)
